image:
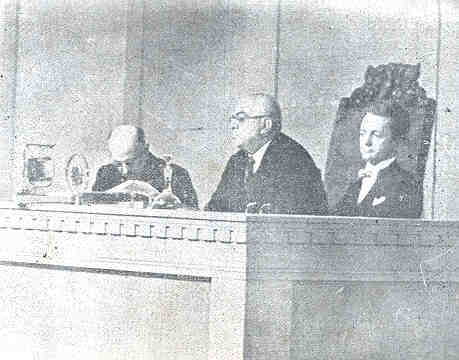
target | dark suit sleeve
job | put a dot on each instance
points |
(347, 205)
(219, 200)
(316, 202)
(105, 179)
(302, 191)
(184, 189)
(409, 201)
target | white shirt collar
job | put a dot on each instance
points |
(379, 166)
(258, 155)
(369, 181)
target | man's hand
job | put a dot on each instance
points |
(251, 208)
(265, 209)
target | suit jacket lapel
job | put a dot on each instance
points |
(385, 178)
(383, 182)
(260, 185)
(269, 159)
(355, 191)
(153, 172)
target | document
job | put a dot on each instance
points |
(135, 186)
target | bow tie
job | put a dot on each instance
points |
(363, 173)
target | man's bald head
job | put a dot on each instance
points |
(255, 121)
(129, 150)
(126, 142)
(261, 104)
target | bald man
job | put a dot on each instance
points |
(271, 172)
(131, 160)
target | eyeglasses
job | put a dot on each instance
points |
(242, 116)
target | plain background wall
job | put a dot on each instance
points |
(8, 39)
(82, 68)
(199, 55)
(326, 47)
(71, 77)
(447, 189)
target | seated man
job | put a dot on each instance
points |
(133, 161)
(271, 172)
(383, 189)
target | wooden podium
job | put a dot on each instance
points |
(81, 282)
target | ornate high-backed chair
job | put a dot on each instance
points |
(399, 83)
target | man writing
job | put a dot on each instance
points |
(133, 161)
(271, 172)
(383, 189)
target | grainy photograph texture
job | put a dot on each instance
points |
(229, 179)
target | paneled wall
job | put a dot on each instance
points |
(175, 67)
(199, 55)
(71, 77)
(8, 72)
(447, 174)
(326, 47)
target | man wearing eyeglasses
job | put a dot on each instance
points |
(271, 173)
(131, 160)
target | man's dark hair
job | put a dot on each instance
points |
(399, 118)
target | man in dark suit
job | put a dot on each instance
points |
(271, 172)
(133, 161)
(383, 189)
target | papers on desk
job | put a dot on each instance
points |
(135, 187)
(23, 199)
(131, 191)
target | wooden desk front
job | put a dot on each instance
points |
(106, 283)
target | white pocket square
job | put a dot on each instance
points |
(380, 200)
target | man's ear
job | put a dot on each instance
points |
(268, 126)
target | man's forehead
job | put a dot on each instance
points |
(252, 106)
(374, 121)
(123, 154)
(123, 143)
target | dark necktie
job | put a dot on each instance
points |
(249, 169)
